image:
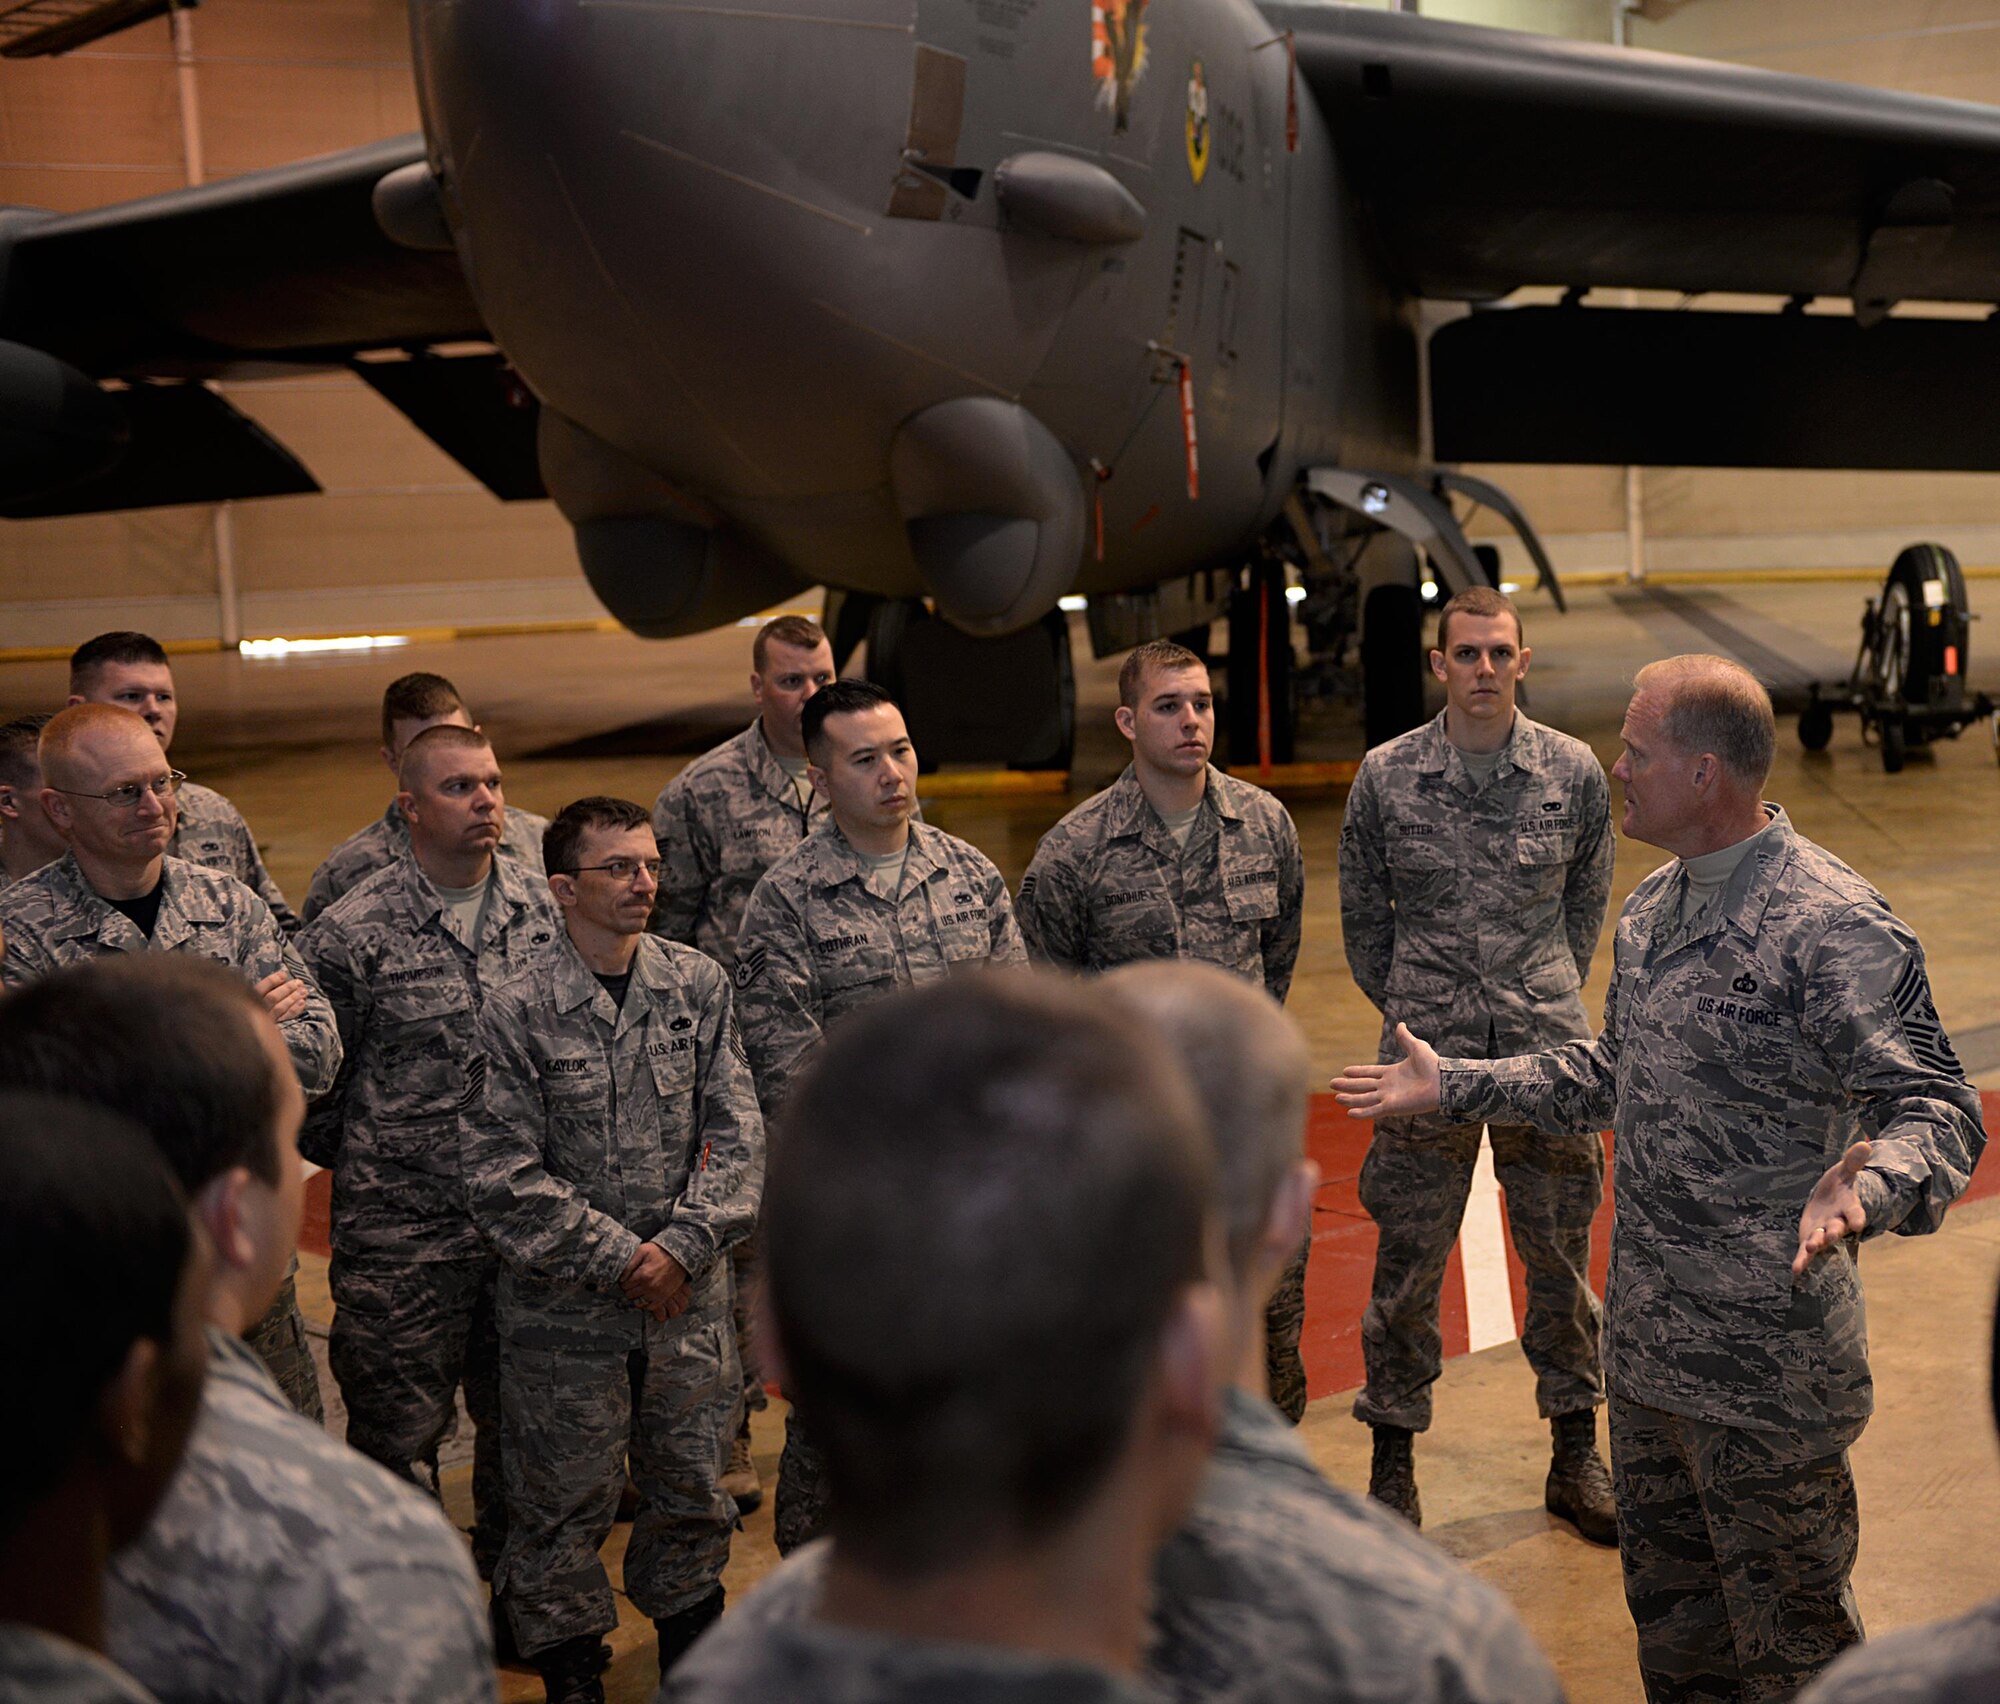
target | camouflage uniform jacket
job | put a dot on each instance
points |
(283, 1566)
(407, 992)
(817, 943)
(811, 1662)
(1945, 1662)
(387, 838)
(1109, 884)
(35, 1665)
(211, 832)
(1277, 1587)
(600, 1126)
(1468, 912)
(720, 824)
(1742, 1050)
(54, 918)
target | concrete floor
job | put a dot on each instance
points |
(293, 744)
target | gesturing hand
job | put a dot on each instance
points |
(1834, 1209)
(1391, 1091)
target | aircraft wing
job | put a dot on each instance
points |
(1492, 159)
(269, 272)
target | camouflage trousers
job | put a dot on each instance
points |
(1414, 1186)
(804, 1503)
(1284, 1324)
(279, 1340)
(585, 1385)
(1737, 1547)
(406, 1334)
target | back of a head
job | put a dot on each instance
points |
(1247, 1061)
(416, 698)
(112, 648)
(167, 1040)
(983, 1202)
(433, 746)
(20, 749)
(839, 698)
(1710, 704)
(94, 1239)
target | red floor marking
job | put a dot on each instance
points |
(1343, 1258)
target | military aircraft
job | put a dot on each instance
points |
(963, 307)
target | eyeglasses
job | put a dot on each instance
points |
(127, 797)
(623, 869)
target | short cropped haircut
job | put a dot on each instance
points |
(416, 698)
(1163, 654)
(108, 648)
(20, 753)
(1479, 601)
(435, 742)
(168, 1040)
(94, 1245)
(984, 1199)
(800, 632)
(840, 698)
(1249, 1067)
(562, 840)
(1710, 704)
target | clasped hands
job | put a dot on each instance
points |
(657, 1283)
(1412, 1084)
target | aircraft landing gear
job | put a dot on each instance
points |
(1262, 710)
(1908, 684)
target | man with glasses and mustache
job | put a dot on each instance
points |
(614, 1153)
(108, 790)
(406, 960)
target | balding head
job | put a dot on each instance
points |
(1247, 1061)
(82, 744)
(1712, 705)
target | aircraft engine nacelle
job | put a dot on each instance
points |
(656, 560)
(994, 511)
(57, 428)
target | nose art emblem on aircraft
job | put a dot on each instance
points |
(1197, 122)
(1117, 55)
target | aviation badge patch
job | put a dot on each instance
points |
(1117, 55)
(1197, 123)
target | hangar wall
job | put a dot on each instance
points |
(404, 538)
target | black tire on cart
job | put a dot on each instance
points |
(1894, 746)
(1815, 726)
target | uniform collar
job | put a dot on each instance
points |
(576, 984)
(183, 901)
(511, 894)
(1744, 900)
(771, 774)
(1133, 815)
(1526, 750)
(835, 860)
(397, 825)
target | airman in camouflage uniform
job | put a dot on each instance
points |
(283, 1566)
(412, 1278)
(720, 824)
(1470, 907)
(1748, 1042)
(412, 704)
(830, 929)
(1113, 882)
(131, 671)
(55, 917)
(610, 1127)
(387, 839)
(28, 840)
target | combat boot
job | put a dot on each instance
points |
(570, 1669)
(684, 1626)
(740, 1479)
(1392, 1475)
(1579, 1489)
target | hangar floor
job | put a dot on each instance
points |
(293, 744)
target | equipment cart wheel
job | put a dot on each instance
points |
(1894, 747)
(1815, 726)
